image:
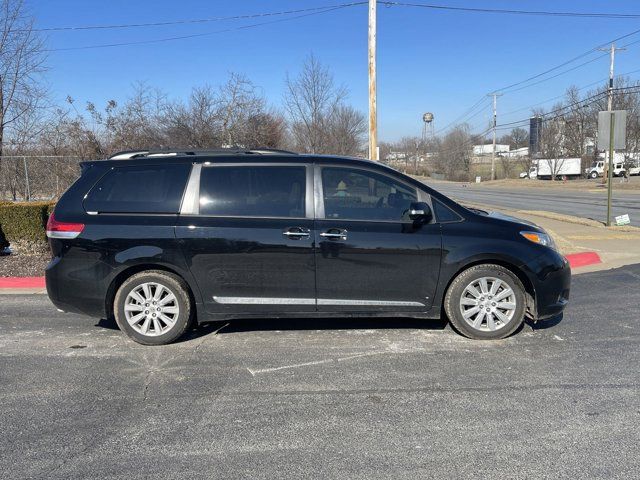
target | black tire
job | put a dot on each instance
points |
(456, 291)
(593, 175)
(171, 282)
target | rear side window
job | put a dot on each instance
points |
(139, 189)
(253, 191)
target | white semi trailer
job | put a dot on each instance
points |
(545, 168)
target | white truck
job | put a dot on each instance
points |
(597, 169)
(544, 168)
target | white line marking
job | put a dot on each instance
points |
(298, 365)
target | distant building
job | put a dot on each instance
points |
(488, 149)
(517, 153)
(396, 156)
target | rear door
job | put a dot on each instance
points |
(369, 256)
(246, 231)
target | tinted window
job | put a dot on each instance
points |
(143, 189)
(362, 195)
(443, 213)
(253, 191)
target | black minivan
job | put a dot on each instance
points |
(160, 241)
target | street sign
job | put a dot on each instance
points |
(619, 129)
(623, 219)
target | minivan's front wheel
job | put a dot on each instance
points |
(486, 302)
(153, 307)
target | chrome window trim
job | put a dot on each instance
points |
(191, 196)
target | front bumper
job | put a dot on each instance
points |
(550, 275)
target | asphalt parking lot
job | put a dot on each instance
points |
(325, 399)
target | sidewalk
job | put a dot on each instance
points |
(616, 246)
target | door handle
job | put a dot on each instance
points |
(335, 234)
(296, 233)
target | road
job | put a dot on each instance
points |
(325, 399)
(582, 203)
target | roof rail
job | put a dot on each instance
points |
(128, 154)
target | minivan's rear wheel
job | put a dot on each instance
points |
(486, 302)
(153, 307)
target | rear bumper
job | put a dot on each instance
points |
(550, 275)
(70, 290)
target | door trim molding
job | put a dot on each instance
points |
(312, 301)
(264, 301)
(371, 303)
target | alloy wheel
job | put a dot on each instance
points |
(488, 304)
(151, 309)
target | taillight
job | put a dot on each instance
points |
(56, 229)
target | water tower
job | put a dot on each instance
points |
(427, 129)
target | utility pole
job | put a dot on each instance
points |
(495, 96)
(612, 56)
(373, 114)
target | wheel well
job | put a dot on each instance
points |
(530, 292)
(122, 276)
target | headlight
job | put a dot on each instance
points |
(539, 238)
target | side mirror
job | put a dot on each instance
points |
(420, 211)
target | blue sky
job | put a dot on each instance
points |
(428, 60)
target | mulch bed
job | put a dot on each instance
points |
(22, 265)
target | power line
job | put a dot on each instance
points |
(563, 64)
(196, 35)
(194, 21)
(625, 16)
(529, 107)
(580, 104)
(320, 8)
(483, 101)
(589, 52)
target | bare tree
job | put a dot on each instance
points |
(454, 155)
(311, 100)
(346, 130)
(552, 141)
(21, 63)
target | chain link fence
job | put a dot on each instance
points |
(36, 177)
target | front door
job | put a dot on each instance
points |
(249, 237)
(369, 258)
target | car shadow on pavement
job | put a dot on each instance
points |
(544, 324)
(305, 324)
(107, 323)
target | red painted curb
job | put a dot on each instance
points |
(583, 259)
(22, 282)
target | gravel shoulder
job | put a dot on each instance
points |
(21, 265)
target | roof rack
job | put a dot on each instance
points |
(128, 154)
